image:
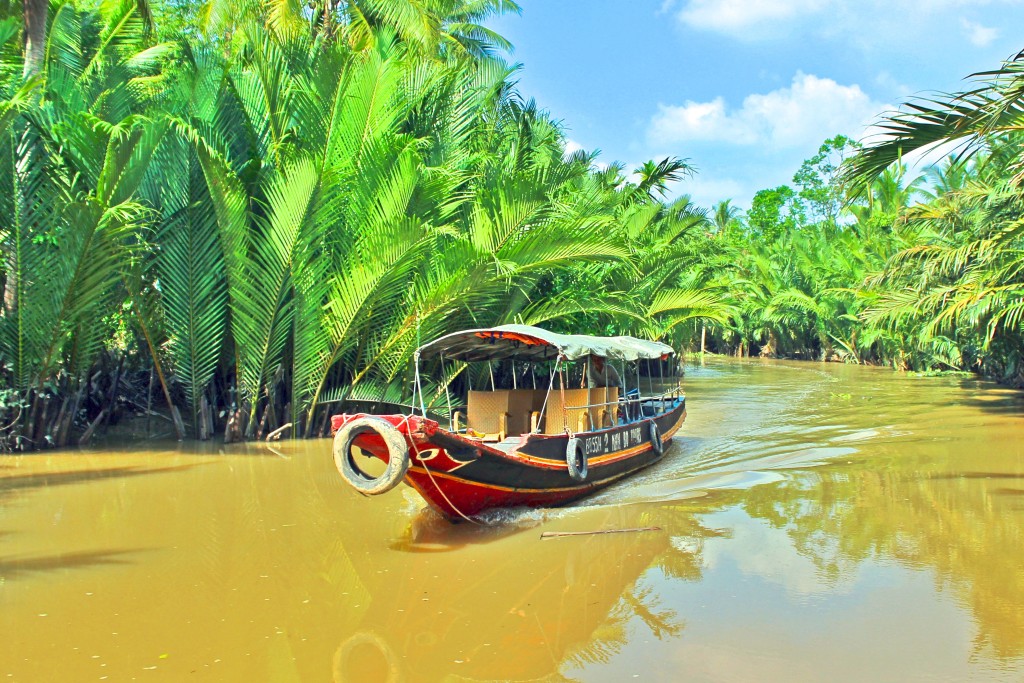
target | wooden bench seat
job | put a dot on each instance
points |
(495, 415)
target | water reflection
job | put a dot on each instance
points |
(536, 607)
(957, 525)
(428, 531)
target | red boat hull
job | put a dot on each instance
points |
(461, 476)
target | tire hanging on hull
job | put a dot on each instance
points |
(576, 459)
(656, 442)
(398, 455)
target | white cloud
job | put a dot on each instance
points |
(978, 35)
(810, 110)
(740, 17)
(707, 121)
(571, 147)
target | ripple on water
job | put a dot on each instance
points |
(747, 423)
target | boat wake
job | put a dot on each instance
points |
(746, 429)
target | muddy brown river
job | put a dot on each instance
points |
(818, 523)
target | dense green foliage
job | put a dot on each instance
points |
(864, 263)
(272, 207)
(263, 208)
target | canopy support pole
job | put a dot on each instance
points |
(639, 394)
(625, 391)
(418, 388)
(661, 378)
(448, 397)
(551, 385)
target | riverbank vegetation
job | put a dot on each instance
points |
(233, 216)
(865, 261)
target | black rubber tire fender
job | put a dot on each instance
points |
(576, 459)
(656, 442)
(398, 455)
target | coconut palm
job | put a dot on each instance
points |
(77, 158)
(970, 118)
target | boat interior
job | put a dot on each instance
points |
(493, 415)
(503, 416)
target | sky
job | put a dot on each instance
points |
(745, 90)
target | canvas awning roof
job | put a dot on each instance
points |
(524, 342)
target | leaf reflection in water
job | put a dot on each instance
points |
(544, 607)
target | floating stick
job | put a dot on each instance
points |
(559, 534)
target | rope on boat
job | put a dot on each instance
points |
(416, 451)
(418, 388)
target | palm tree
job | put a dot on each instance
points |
(79, 157)
(970, 117)
(726, 218)
(956, 282)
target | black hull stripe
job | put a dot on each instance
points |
(552, 489)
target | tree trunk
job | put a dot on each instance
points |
(149, 399)
(179, 426)
(91, 429)
(64, 434)
(34, 15)
(205, 419)
(235, 428)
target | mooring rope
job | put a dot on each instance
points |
(416, 451)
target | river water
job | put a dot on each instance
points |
(817, 523)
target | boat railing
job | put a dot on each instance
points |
(632, 406)
(665, 401)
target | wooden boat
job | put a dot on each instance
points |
(533, 447)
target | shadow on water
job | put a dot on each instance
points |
(19, 567)
(11, 485)
(429, 532)
(990, 397)
(1010, 407)
(189, 447)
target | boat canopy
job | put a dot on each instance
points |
(533, 343)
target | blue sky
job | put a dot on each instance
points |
(744, 89)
